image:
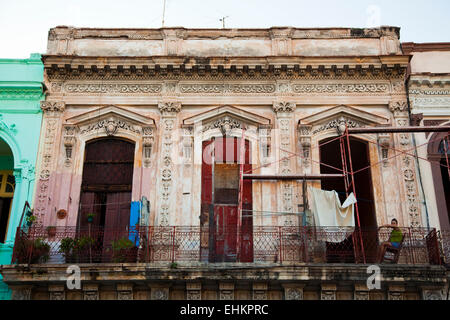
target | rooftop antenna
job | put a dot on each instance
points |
(223, 21)
(164, 13)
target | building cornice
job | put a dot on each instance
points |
(409, 47)
(72, 66)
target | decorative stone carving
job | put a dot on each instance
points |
(328, 292)
(432, 294)
(168, 110)
(52, 107)
(69, 142)
(338, 123)
(90, 292)
(416, 119)
(193, 291)
(396, 292)
(225, 124)
(332, 88)
(304, 137)
(260, 291)
(159, 293)
(147, 143)
(113, 88)
(293, 293)
(399, 108)
(282, 107)
(11, 129)
(212, 88)
(361, 292)
(57, 292)
(226, 291)
(384, 140)
(21, 293)
(265, 142)
(110, 126)
(188, 143)
(124, 291)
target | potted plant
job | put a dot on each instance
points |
(30, 220)
(124, 250)
(51, 231)
(90, 217)
(74, 249)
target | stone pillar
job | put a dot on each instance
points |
(169, 112)
(284, 114)
(124, 291)
(148, 140)
(407, 164)
(226, 291)
(260, 291)
(57, 292)
(361, 292)
(304, 137)
(90, 292)
(20, 292)
(159, 292)
(293, 291)
(396, 292)
(328, 292)
(193, 291)
(46, 164)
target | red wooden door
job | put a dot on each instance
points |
(207, 210)
(246, 253)
(225, 233)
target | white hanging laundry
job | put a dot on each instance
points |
(330, 215)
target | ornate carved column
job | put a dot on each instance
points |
(90, 292)
(57, 292)
(408, 168)
(169, 112)
(260, 291)
(328, 292)
(265, 143)
(69, 143)
(384, 140)
(124, 291)
(148, 140)
(193, 291)
(226, 291)
(284, 113)
(304, 137)
(51, 126)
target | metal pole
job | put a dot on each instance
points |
(164, 13)
(399, 129)
(354, 191)
(241, 191)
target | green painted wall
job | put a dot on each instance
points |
(21, 91)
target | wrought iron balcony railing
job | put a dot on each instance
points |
(58, 245)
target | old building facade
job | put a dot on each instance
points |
(21, 91)
(166, 119)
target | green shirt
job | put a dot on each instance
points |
(396, 236)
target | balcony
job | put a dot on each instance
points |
(258, 246)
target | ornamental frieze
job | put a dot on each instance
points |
(110, 126)
(227, 88)
(112, 88)
(341, 88)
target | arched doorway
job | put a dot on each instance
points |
(106, 189)
(220, 193)
(330, 154)
(437, 149)
(7, 187)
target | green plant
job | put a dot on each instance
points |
(90, 217)
(31, 219)
(73, 249)
(33, 251)
(124, 250)
(173, 265)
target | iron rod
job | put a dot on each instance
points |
(292, 177)
(399, 129)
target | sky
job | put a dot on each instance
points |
(24, 24)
